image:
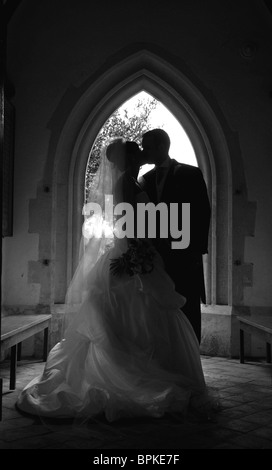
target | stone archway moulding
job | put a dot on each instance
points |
(142, 71)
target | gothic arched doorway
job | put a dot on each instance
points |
(149, 72)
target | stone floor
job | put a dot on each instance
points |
(244, 422)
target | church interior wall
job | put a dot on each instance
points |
(55, 49)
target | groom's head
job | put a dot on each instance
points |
(156, 144)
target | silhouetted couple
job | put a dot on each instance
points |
(129, 348)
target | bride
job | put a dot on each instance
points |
(127, 349)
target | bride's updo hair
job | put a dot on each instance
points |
(115, 152)
(121, 152)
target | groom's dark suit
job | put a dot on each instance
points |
(185, 183)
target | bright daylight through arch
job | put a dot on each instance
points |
(141, 112)
(181, 148)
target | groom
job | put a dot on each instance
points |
(170, 182)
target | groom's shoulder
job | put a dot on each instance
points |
(185, 170)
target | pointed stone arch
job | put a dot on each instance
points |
(201, 118)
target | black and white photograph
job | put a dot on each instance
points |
(136, 248)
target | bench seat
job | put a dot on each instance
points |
(17, 328)
(259, 326)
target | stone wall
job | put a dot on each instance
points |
(57, 51)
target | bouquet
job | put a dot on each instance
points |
(138, 259)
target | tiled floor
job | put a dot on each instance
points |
(244, 422)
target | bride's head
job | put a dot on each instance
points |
(124, 154)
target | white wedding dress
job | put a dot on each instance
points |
(128, 351)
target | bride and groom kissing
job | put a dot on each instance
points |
(170, 182)
(131, 347)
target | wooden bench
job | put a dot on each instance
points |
(17, 328)
(259, 326)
